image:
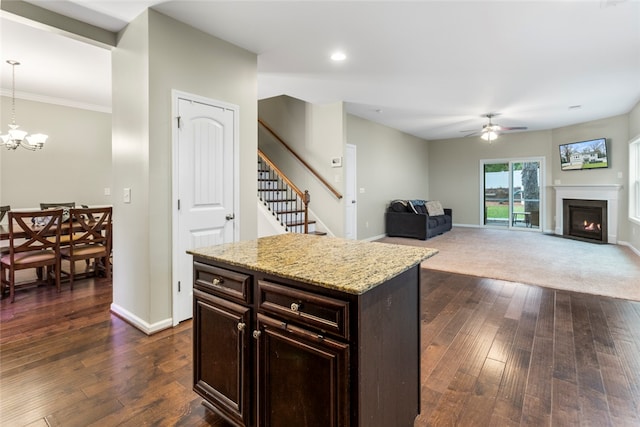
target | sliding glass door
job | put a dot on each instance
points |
(512, 193)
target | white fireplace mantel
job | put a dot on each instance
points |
(608, 192)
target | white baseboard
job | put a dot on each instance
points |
(374, 238)
(146, 327)
(635, 250)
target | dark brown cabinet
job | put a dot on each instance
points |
(302, 378)
(277, 352)
(221, 368)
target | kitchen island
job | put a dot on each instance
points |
(308, 331)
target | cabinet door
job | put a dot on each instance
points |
(303, 377)
(221, 356)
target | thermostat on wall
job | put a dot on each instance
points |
(336, 162)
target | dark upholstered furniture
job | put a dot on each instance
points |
(405, 218)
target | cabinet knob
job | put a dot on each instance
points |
(217, 282)
(295, 306)
(241, 326)
(256, 334)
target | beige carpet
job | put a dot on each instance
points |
(536, 259)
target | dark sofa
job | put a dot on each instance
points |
(410, 218)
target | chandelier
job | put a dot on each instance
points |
(16, 137)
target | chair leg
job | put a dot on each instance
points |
(4, 282)
(58, 267)
(72, 272)
(12, 282)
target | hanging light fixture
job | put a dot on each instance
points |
(490, 131)
(489, 135)
(16, 137)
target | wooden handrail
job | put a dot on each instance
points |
(274, 174)
(281, 174)
(306, 165)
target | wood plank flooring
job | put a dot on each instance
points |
(495, 353)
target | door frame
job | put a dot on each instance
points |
(541, 184)
(350, 171)
(176, 96)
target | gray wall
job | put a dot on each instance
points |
(74, 165)
(454, 173)
(155, 55)
(390, 165)
(616, 130)
(454, 169)
(315, 133)
(633, 236)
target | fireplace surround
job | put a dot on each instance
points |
(608, 193)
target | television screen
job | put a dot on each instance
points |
(581, 155)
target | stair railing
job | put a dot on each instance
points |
(287, 202)
(301, 160)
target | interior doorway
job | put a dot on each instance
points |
(205, 174)
(512, 193)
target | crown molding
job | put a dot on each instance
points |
(57, 101)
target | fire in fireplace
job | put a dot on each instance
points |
(585, 220)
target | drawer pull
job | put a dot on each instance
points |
(256, 334)
(217, 282)
(295, 306)
(241, 326)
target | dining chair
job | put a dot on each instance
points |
(65, 206)
(92, 240)
(3, 212)
(30, 246)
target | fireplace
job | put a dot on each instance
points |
(601, 192)
(585, 220)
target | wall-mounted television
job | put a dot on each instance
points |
(591, 154)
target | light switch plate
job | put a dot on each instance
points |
(127, 195)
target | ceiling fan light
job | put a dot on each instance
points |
(489, 136)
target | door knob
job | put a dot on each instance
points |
(230, 217)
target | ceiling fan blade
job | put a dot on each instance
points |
(471, 132)
(513, 128)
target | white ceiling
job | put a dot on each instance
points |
(428, 68)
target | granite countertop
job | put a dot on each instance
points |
(351, 266)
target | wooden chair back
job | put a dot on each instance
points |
(92, 226)
(34, 242)
(89, 238)
(32, 231)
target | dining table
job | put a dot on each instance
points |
(64, 229)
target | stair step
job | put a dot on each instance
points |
(266, 200)
(298, 223)
(290, 211)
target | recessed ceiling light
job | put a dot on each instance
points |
(338, 56)
(575, 107)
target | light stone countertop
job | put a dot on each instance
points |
(351, 266)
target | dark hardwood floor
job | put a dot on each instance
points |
(495, 353)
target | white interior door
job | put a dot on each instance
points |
(351, 209)
(204, 215)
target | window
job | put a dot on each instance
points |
(634, 180)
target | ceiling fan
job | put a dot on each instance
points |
(490, 131)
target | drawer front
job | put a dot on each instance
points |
(306, 308)
(221, 281)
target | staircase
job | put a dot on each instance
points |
(285, 201)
